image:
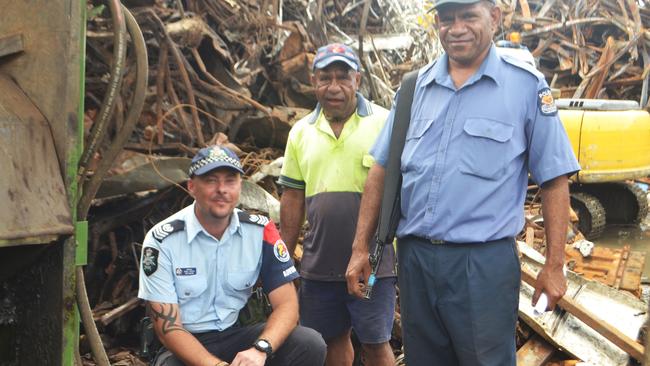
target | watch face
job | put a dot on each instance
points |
(264, 346)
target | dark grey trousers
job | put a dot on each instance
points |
(303, 347)
(458, 302)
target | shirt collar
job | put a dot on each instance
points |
(438, 71)
(364, 109)
(193, 227)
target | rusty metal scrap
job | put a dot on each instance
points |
(588, 48)
(219, 66)
(617, 268)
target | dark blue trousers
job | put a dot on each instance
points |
(303, 347)
(458, 302)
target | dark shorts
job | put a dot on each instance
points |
(303, 347)
(329, 309)
(459, 302)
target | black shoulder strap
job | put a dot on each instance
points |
(252, 219)
(389, 214)
(160, 232)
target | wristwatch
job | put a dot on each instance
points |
(263, 345)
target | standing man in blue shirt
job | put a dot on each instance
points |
(479, 124)
(198, 269)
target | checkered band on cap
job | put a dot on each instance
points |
(216, 156)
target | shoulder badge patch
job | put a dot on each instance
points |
(160, 232)
(253, 219)
(149, 260)
(546, 102)
(281, 251)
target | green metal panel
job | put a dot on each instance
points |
(81, 237)
(70, 326)
(76, 251)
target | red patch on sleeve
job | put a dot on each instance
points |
(271, 233)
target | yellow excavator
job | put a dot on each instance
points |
(611, 139)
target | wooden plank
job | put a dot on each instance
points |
(627, 344)
(11, 44)
(107, 318)
(530, 237)
(625, 254)
(535, 352)
(525, 12)
(633, 270)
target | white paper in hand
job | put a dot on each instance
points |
(540, 307)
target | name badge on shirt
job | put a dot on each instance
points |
(191, 271)
(289, 271)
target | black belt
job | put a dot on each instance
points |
(443, 242)
(430, 241)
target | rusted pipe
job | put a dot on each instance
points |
(115, 82)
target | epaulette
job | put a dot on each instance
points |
(160, 232)
(522, 65)
(253, 219)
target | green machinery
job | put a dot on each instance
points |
(41, 241)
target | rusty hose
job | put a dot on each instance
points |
(118, 13)
(96, 345)
(96, 134)
(142, 71)
(115, 82)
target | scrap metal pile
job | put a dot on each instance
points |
(238, 73)
(587, 48)
(234, 67)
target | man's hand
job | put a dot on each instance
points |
(249, 357)
(358, 268)
(555, 209)
(359, 265)
(552, 282)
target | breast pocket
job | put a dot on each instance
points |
(189, 289)
(367, 161)
(416, 154)
(486, 147)
(240, 283)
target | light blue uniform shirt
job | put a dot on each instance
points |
(211, 279)
(468, 151)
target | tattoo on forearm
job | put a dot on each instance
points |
(168, 314)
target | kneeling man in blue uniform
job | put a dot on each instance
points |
(198, 269)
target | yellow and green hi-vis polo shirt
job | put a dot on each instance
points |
(332, 172)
